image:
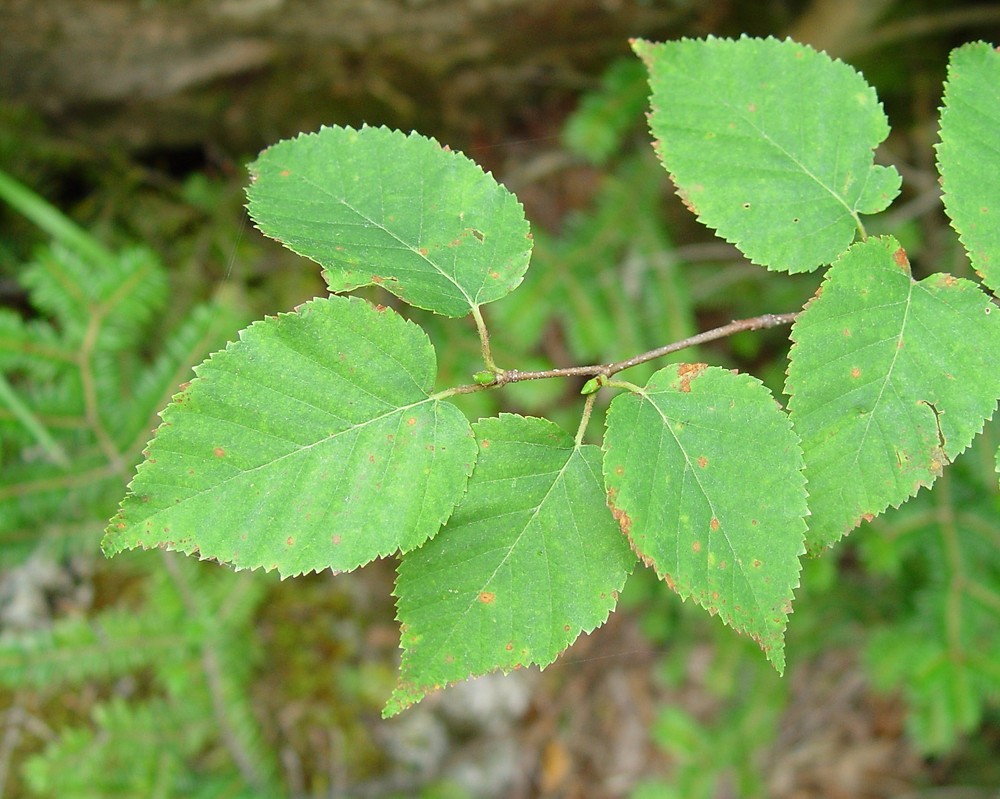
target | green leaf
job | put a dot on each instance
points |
(311, 443)
(969, 155)
(530, 559)
(769, 143)
(889, 380)
(374, 206)
(703, 473)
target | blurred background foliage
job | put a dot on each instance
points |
(125, 258)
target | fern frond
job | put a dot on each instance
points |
(118, 297)
(115, 643)
(134, 750)
(32, 347)
(945, 650)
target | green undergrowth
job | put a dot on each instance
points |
(82, 374)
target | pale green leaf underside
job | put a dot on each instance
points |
(374, 206)
(310, 443)
(969, 155)
(889, 380)
(530, 559)
(770, 143)
(703, 472)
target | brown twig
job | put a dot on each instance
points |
(609, 369)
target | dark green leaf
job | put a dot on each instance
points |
(311, 443)
(374, 206)
(769, 143)
(703, 473)
(889, 380)
(969, 154)
(530, 559)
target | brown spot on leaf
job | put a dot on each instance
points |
(619, 470)
(510, 646)
(696, 546)
(670, 582)
(714, 524)
(485, 443)
(702, 461)
(855, 372)
(380, 308)
(411, 421)
(290, 541)
(688, 372)
(901, 260)
(284, 173)
(335, 540)
(219, 452)
(185, 386)
(423, 251)
(686, 199)
(487, 597)
(623, 519)
(847, 332)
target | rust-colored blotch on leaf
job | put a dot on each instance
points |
(487, 597)
(688, 372)
(623, 519)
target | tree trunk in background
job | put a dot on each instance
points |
(173, 73)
